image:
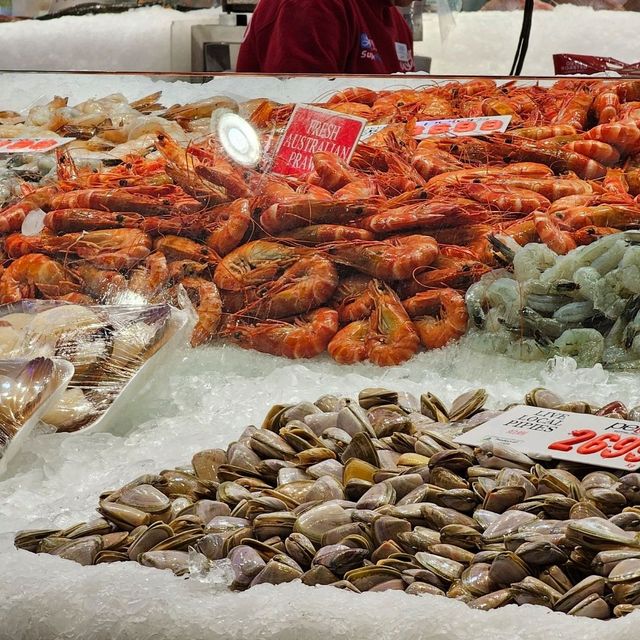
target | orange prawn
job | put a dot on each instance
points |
(254, 263)
(552, 235)
(602, 152)
(440, 316)
(624, 136)
(591, 233)
(231, 223)
(303, 211)
(321, 233)
(506, 198)
(391, 259)
(206, 297)
(308, 283)
(602, 215)
(436, 213)
(12, 217)
(150, 277)
(301, 337)
(332, 172)
(32, 274)
(551, 188)
(70, 220)
(392, 337)
(177, 248)
(352, 298)
(348, 345)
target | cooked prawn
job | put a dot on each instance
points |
(439, 316)
(253, 264)
(308, 283)
(32, 274)
(392, 337)
(348, 345)
(552, 235)
(301, 337)
(208, 306)
(392, 259)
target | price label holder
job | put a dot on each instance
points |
(482, 126)
(370, 130)
(32, 145)
(310, 130)
(560, 435)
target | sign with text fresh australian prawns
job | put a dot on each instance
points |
(560, 435)
(311, 130)
(31, 145)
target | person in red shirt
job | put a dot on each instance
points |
(327, 36)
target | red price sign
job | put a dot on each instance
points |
(31, 145)
(311, 130)
(481, 126)
(586, 442)
(587, 439)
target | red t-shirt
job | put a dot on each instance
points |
(326, 36)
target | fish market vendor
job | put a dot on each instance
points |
(327, 36)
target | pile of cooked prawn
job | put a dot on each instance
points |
(368, 260)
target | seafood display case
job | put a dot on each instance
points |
(366, 285)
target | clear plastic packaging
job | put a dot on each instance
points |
(28, 388)
(114, 350)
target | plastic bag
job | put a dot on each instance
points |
(27, 389)
(107, 345)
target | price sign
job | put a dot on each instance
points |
(311, 130)
(548, 433)
(31, 145)
(482, 126)
(371, 129)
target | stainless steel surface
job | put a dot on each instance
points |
(215, 47)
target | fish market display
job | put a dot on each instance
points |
(366, 261)
(374, 495)
(106, 345)
(584, 304)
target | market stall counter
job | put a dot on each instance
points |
(385, 291)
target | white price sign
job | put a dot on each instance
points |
(480, 126)
(547, 433)
(371, 130)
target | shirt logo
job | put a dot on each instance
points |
(368, 48)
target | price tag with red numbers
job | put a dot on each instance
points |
(560, 435)
(31, 145)
(482, 126)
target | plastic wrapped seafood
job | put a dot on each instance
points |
(108, 346)
(28, 388)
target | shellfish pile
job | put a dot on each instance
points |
(584, 304)
(373, 494)
(107, 346)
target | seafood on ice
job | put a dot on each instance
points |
(364, 261)
(585, 304)
(106, 345)
(375, 495)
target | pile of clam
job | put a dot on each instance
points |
(375, 495)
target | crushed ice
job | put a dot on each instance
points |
(205, 399)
